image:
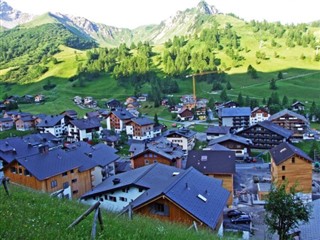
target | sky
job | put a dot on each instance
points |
(134, 13)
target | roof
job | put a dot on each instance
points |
(183, 132)
(217, 147)
(122, 114)
(183, 187)
(230, 137)
(284, 151)
(212, 161)
(218, 130)
(8, 119)
(271, 127)
(297, 103)
(235, 112)
(50, 121)
(311, 230)
(55, 162)
(89, 123)
(142, 121)
(287, 112)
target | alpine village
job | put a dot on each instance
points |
(205, 126)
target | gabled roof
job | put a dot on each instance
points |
(287, 112)
(235, 112)
(50, 121)
(122, 114)
(284, 151)
(297, 103)
(271, 127)
(218, 130)
(26, 119)
(210, 162)
(183, 132)
(83, 124)
(202, 197)
(217, 147)
(142, 121)
(55, 162)
(8, 119)
(230, 137)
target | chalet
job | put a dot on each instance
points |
(183, 137)
(54, 124)
(291, 121)
(27, 99)
(83, 129)
(265, 135)
(188, 102)
(130, 99)
(52, 171)
(25, 123)
(185, 114)
(105, 158)
(229, 104)
(175, 108)
(113, 104)
(291, 164)
(241, 146)
(109, 137)
(39, 98)
(6, 124)
(165, 193)
(141, 128)
(77, 100)
(70, 113)
(160, 151)
(236, 118)
(133, 105)
(117, 119)
(216, 132)
(94, 114)
(15, 115)
(297, 106)
(87, 100)
(219, 164)
(259, 114)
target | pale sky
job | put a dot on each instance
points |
(134, 13)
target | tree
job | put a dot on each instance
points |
(284, 210)
(224, 95)
(156, 120)
(273, 85)
(285, 101)
(240, 100)
(280, 75)
(229, 87)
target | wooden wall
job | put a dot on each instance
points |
(139, 161)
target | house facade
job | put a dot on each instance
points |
(183, 137)
(118, 119)
(217, 131)
(236, 118)
(6, 124)
(54, 124)
(25, 123)
(185, 114)
(83, 129)
(141, 129)
(259, 114)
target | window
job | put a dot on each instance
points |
(155, 161)
(26, 172)
(160, 209)
(293, 160)
(20, 171)
(283, 168)
(140, 189)
(74, 180)
(146, 162)
(125, 190)
(54, 183)
(112, 199)
(65, 185)
(75, 191)
(283, 177)
(72, 171)
(64, 174)
(123, 199)
(13, 170)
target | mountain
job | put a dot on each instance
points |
(11, 17)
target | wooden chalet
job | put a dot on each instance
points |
(297, 106)
(182, 136)
(117, 119)
(140, 128)
(259, 114)
(265, 135)
(185, 114)
(6, 124)
(291, 164)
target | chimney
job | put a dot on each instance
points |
(116, 181)
(43, 148)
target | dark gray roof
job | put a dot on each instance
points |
(217, 147)
(8, 119)
(285, 112)
(209, 161)
(89, 123)
(230, 137)
(218, 130)
(27, 118)
(101, 154)
(184, 132)
(311, 230)
(50, 121)
(55, 162)
(271, 127)
(183, 188)
(284, 151)
(142, 121)
(235, 112)
(122, 114)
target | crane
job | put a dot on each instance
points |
(194, 80)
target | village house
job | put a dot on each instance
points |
(290, 164)
(185, 114)
(130, 99)
(265, 135)
(216, 132)
(110, 137)
(77, 100)
(220, 105)
(39, 98)
(113, 104)
(25, 123)
(141, 128)
(15, 115)
(241, 146)
(54, 124)
(188, 102)
(259, 114)
(159, 151)
(6, 124)
(291, 121)
(105, 158)
(182, 136)
(236, 118)
(133, 106)
(117, 119)
(52, 171)
(219, 164)
(297, 106)
(83, 129)
(165, 193)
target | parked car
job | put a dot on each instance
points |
(235, 213)
(241, 219)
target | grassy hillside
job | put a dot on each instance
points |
(31, 215)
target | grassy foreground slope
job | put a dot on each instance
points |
(31, 215)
